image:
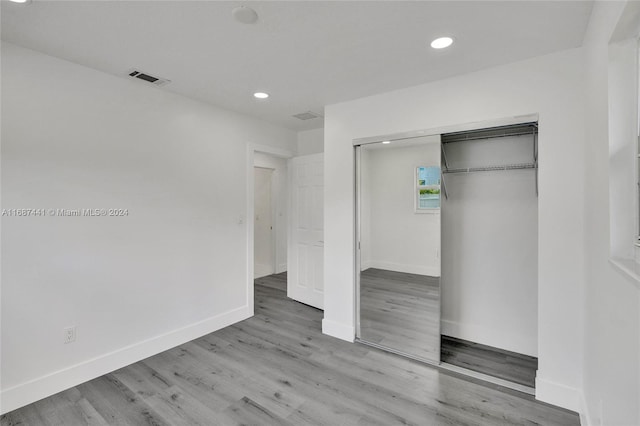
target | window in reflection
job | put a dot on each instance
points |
(427, 188)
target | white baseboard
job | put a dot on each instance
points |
(282, 268)
(490, 337)
(430, 271)
(262, 270)
(585, 416)
(558, 394)
(338, 330)
(57, 381)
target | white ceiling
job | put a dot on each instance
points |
(305, 54)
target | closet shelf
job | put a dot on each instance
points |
(492, 168)
(524, 129)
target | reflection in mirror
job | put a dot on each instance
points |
(399, 256)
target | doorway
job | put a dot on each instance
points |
(269, 214)
(264, 248)
(266, 259)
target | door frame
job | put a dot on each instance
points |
(253, 148)
(359, 142)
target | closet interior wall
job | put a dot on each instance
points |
(490, 240)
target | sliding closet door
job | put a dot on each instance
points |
(399, 246)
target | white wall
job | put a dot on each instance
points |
(490, 246)
(612, 302)
(175, 268)
(397, 238)
(279, 201)
(551, 86)
(311, 141)
(623, 134)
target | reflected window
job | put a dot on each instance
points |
(427, 188)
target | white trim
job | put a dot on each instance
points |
(585, 418)
(262, 270)
(636, 177)
(365, 264)
(476, 125)
(629, 268)
(359, 264)
(338, 330)
(430, 271)
(270, 150)
(42, 387)
(557, 394)
(275, 230)
(252, 148)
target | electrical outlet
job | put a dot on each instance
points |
(69, 334)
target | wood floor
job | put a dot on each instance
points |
(277, 368)
(511, 366)
(401, 311)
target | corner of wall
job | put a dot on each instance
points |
(338, 330)
(559, 395)
(585, 418)
(311, 141)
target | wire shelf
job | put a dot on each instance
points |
(521, 166)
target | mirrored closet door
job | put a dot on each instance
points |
(398, 256)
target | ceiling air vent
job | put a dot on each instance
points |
(148, 78)
(307, 115)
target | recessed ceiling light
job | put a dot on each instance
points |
(442, 42)
(261, 95)
(21, 1)
(386, 142)
(245, 15)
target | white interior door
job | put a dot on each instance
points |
(305, 278)
(263, 255)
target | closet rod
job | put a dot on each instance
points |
(493, 168)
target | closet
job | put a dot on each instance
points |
(447, 242)
(490, 251)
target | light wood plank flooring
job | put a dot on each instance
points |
(401, 311)
(277, 368)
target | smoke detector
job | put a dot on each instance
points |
(158, 81)
(309, 115)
